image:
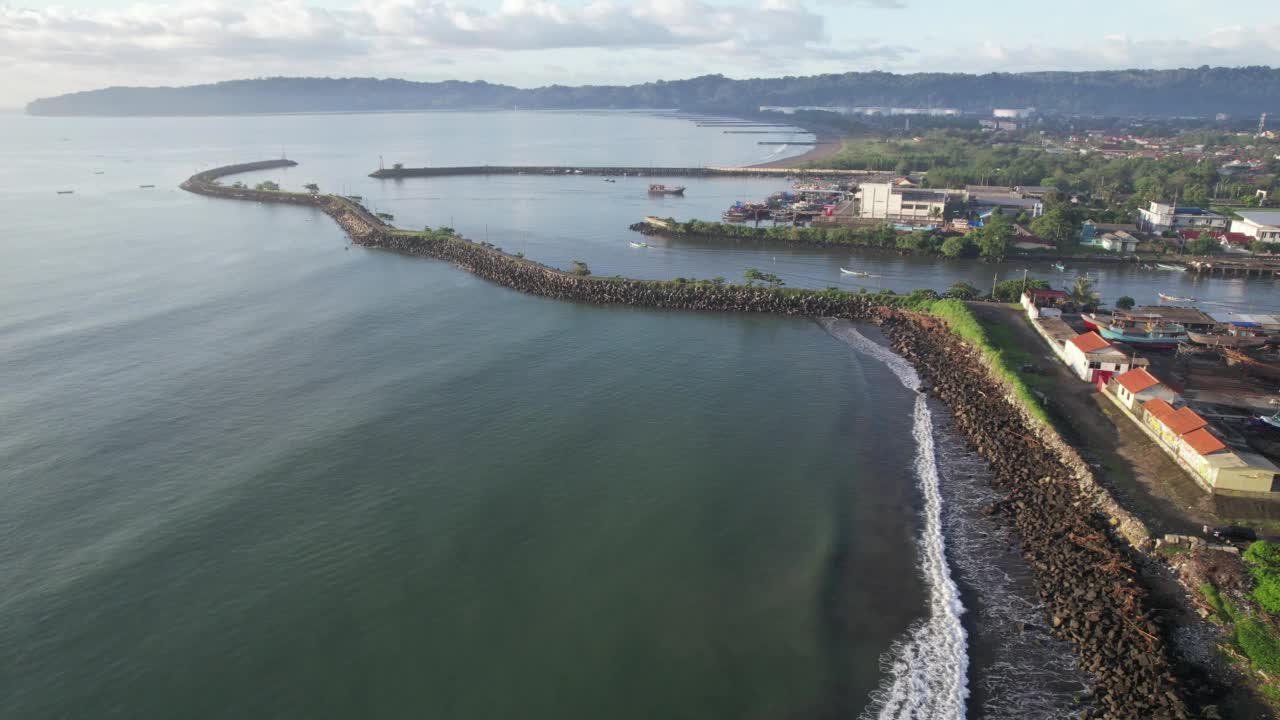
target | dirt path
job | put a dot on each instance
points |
(1141, 476)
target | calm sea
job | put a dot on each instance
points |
(250, 471)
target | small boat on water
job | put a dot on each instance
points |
(146, 186)
(635, 244)
(664, 190)
(65, 192)
(1175, 298)
(855, 273)
(1059, 266)
(1170, 268)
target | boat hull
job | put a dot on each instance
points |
(1142, 341)
(1090, 321)
(1228, 341)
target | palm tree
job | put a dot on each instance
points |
(1083, 294)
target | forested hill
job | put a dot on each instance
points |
(1171, 93)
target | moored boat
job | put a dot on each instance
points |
(635, 244)
(1146, 331)
(1093, 321)
(1228, 340)
(664, 190)
(1059, 266)
(1170, 268)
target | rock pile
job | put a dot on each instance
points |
(1091, 592)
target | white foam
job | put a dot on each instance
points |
(927, 670)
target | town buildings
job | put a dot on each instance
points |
(1095, 360)
(1258, 225)
(897, 204)
(1159, 217)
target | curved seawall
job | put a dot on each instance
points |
(1073, 535)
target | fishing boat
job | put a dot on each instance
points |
(1170, 268)
(1059, 267)
(1175, 298)
(1234, 357)
(635, 244)
(855, 273)
(65, 192)
(1266, 422)
(664, 190)
(146, 186)
(1094, 321)
(1234, 335)
(1146, 331)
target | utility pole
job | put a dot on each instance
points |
(994, 277)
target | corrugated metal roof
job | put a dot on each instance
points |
(1159, 409)
(1261, 217)
(1090, 342)
(1183, 421)
(1137, 380)
(1203, 442)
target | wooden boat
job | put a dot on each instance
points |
(1170, 268)
(1093, 321)
(1145, 331)
(1232, 338)
(1175, 298)
(664, 190)
(1250, 365)
(146, 186)
(1266, 422)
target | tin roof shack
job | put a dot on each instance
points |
(1044, 303)
(1092, 230)
(1189, 318)
(1138, 386)
(985, 198)
(1095, 360)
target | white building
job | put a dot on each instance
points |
(1013, 113)
(1259, 225)
(1164, 216)
(1119, 241)
(1138, 386)
(891, 203)
(1093, 359)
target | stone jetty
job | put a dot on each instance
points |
(615, 171)
(1077, 541)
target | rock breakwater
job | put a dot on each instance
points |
(1091, 592)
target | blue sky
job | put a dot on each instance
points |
(50, 48)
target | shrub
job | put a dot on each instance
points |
(1263, 559)
(1259, 643)
(579, 268)
(1124, 302)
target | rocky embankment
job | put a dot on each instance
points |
(1092, 594)
(1072, 534)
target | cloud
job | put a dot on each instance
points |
(290, 29)
(1235, 45)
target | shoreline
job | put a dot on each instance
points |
(1081, 561)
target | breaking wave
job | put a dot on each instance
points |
(927, 670)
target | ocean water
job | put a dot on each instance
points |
(249, 470)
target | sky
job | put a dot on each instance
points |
(53, 48)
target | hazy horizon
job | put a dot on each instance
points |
(82, 45)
